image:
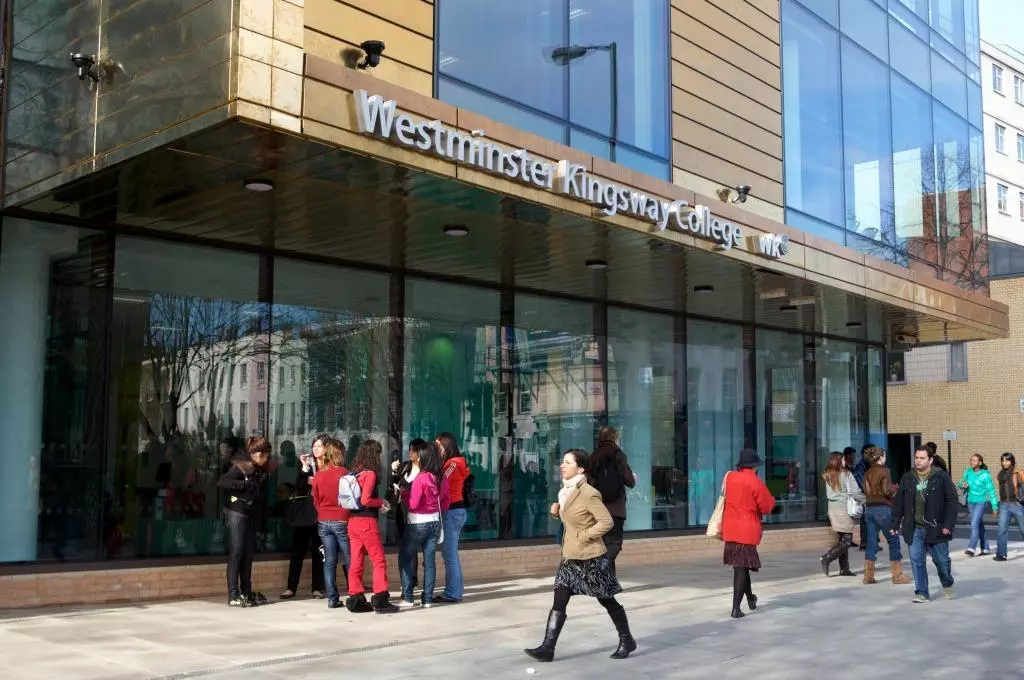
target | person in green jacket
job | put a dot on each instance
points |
(980, 489)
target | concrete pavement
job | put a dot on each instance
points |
(806, 627)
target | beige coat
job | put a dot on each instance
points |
(586, 521)
(841, 521)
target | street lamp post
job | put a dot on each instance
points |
(563, 55)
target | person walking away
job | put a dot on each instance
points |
(924, 511)
(747, 500)
(1011, 484)
(977, 481)
(456, 472)
(840, 486)
(427, 497)
(937, 460)
(611, 475)
(244, 483)
(300, 513)
(585, 568)
(879, 491)
(364, 535)
(332, 519)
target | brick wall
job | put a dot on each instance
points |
(162, 583)
(984, 411)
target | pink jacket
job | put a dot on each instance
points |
(423, 498)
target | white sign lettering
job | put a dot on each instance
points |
(773, 245)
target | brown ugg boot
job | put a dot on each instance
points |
(869, 572)
(898, 577)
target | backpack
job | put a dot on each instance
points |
(609, 479)
(349, 493)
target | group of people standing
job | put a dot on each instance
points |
(1004, 494)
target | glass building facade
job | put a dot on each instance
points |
(882, 130)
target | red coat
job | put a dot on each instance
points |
(746, 500)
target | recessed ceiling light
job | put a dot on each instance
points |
(455, 230)
(787, 308)
(259, 184)
(853, 324)
(597, 264)
(703, 289)
(801, 300)
(774, 294)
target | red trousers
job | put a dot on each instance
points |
(364, 539)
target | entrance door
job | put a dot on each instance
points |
(901, 453)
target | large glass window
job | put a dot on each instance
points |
(812, 115)
(590, 73)
(913, 167)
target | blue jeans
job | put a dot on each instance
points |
(940, 558)
(334, 536)
(1006, 510)
(879, 518)
(977, 511)
(419, 537)
(454, 520)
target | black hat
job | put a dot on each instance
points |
(241, 457)
(749, 459)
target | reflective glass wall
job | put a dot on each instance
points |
(882, 130)
(593, 74)
(134, 358)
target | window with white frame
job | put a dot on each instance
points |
(958, 361)
(1020, 203)
(261, 417)
(1000, 138)
(1018, 89)
(261, 374)
(1001, 192)
(1020, 147)
(997, 78)
(244, 376)
(243, 418)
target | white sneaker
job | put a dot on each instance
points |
(919, 598)
(402, 604)
(427, 605)
(949, 592)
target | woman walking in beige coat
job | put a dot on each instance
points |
(585, 568)
(840, 487)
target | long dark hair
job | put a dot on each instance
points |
(430, 462)
(836, 467)
(368, 456)
(581, 457)
(981, 461)
(450, 446)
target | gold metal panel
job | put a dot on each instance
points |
(729, 174)
(330, 49)
(752, 17)
(715, 65)
(769, 7)
(768, 73)
(699, 15)
(412, 14)
(347, 23)
(685, 79)
(706, 115)
(723, 146)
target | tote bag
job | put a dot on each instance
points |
(854, 508)
(715, 523)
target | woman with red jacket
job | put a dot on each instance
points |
(332, 519)
(747, 499)
(456, 472)
(364, 535)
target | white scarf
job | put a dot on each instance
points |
(568, 486)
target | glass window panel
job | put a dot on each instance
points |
(790, 467)
(910, 56)
(1000, 138)
(974, 72)
(877, 248)
(867, 140)
(948, 51)
(506, 48)
(864, 22)
(958, 361)
(949, 85)
(840, 369)
(556, 361)
(816, 227)
(642, 380)
(592, 144)
(997, 78)
(913, 168)
(452, 369)
(717, 370)
(655, 167)
(636, 29)
(972, 29)
(1001, 193)
(953, 174)
(877, 430)
(826, 9)
(947, 17)
(486, 105)
(185, 317)
(974, 114)
(1020, 147)
(906, 18)
(812, 115)
(920, 7)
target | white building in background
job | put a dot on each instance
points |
(1002, 70)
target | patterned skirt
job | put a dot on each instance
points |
(740, 555)
(593, 577)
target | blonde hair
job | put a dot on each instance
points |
(334, 452)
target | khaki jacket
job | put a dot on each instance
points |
(586, 521)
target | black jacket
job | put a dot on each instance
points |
(940, 507)
(246, 491)
(300, 511)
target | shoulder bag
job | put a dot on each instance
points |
(854, 508)
(715, 523)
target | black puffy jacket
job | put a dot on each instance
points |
(940, 507)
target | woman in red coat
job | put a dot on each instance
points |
(746, 500)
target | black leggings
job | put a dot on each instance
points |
(740, 585)
(563, 594)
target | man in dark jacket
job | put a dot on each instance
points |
(925, 507)
(609, 454)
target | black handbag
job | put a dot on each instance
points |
(300, 512)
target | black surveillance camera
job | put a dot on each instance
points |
(85, 63)
(373, 49)
(742, 191)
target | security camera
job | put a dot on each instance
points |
(373, 49)
(86, 65)
(905, 339)
(742, 191)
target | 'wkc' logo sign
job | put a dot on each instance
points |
(773, 245)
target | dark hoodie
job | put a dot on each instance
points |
(245, 484)
(616, 508)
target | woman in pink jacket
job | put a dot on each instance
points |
(426, 498)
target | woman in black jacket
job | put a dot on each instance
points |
(245, 482)
(301, 517)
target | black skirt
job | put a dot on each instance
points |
(593, 577)
(740, 555)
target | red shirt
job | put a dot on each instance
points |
(746, 500)
(324, 487)
(456, 471)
